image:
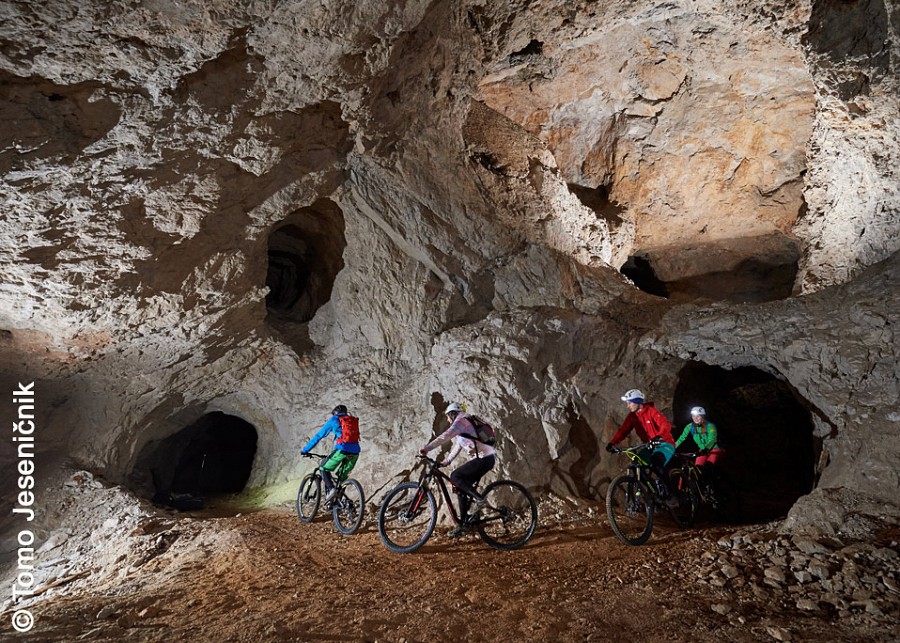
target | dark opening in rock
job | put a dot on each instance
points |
(639, 270)
(741, 270)
(305, 255)
(534, 48)
(597, 199)
(765, 429)
(214, 455)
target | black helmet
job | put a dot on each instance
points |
(340, 409)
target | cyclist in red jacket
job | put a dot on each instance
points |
(649, 423)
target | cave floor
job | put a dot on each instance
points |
(265, 576)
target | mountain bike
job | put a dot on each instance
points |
(713, 490)
(347, 505)
(506, 519)
(634, 497)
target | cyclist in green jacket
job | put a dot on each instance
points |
(705, 436)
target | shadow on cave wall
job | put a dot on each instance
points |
(765, 429)
(741, 270)
(43, 120)
(211, 457)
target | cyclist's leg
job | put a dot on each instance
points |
(659, 460)
(465, 477)
(707, 464)
(345, 466)
(332, 463)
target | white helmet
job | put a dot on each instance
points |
(698, 410)
(633, 395)
(453, 407)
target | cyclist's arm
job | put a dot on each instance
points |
(684, 435)
(321, 433)
(438, 441)
(624, 430)
(457, 447)
(455, 429)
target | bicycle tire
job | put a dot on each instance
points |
(683, 488)
(309, 495)
(349, 507)
(509, 518)
(407, 517)
(629, 506)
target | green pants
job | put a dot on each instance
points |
(340, 464)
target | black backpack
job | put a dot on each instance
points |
(484, 432)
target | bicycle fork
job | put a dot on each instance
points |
(416, 502)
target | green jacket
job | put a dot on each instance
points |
(704, 437)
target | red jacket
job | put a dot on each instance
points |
(648, 422)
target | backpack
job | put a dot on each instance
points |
(349, 429)
(484, 432)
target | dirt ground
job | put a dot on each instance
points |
(265, 576)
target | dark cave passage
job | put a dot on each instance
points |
(212, 456)
(305, 254)
(765, 430)
(640, 271)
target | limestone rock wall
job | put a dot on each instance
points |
(480, 171)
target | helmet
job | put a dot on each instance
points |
(698, 410)
(453, 408)
(633, 395)
(340, 409)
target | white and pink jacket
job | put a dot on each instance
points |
(461, 425)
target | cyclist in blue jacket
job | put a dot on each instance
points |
(345, 429)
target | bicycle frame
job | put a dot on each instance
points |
(431, 472)
(695, 476)
(640, 468)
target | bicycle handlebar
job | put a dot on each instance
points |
(430, 461)
(638, 447)
(314, 455)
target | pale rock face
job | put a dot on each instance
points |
(263, 210)
(677, 115)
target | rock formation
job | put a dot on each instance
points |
(225, 218)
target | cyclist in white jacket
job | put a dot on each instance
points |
(466, 476)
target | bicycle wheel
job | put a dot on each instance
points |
(683, 488)
(407, 517)
(308, 497)
(509, 516)
(629, 506)
(348, 507)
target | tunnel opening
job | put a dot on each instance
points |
(211, 457)
(765, 430)
(640, 271)
(305, 255)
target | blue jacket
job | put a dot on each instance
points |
(333, 426)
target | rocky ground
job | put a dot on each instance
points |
(123, 570)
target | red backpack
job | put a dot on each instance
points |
(349, 429)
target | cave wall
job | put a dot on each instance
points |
(491, 165)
